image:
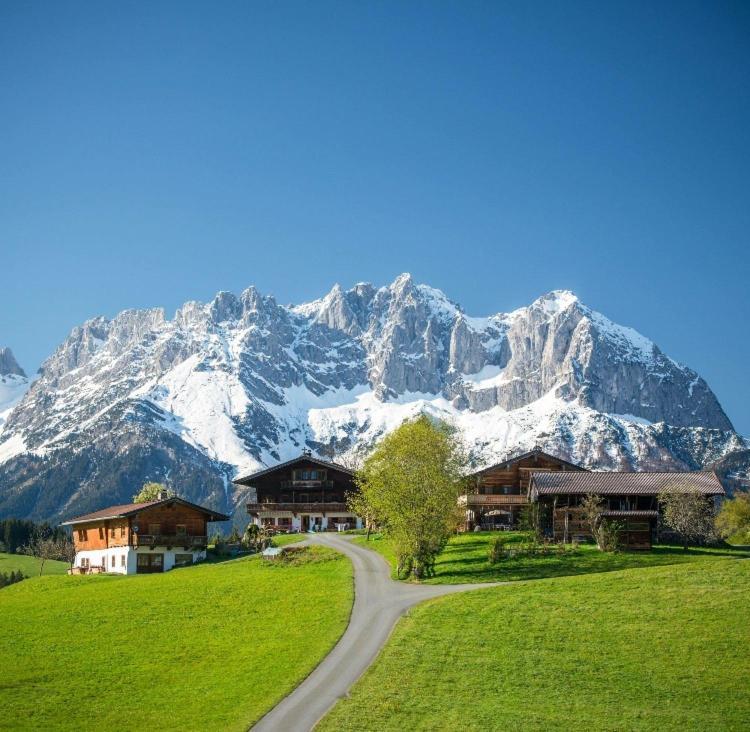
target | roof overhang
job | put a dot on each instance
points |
(247, 479)
(93, 518)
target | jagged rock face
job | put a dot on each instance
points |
(8, 364)
(13, 384)
(733, 470)
(243, 381)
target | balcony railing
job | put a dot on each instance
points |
(297, 507)
(480, 499)
(168, 540)
(287, 484)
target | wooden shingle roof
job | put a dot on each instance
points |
(124, 510)
(536, 452)
(608, 484)
(305, 457)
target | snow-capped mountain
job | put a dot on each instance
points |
(241, 382)
(13, 383)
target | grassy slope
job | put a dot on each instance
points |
(286, 539)
(205, 647)
(465, 559)
(644, 649)
(29, 565)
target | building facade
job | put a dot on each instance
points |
(303, 494)
(141, 538)
(497, 495)
(629, 499)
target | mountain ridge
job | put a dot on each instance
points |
(239, 382)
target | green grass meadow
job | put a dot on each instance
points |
(209, 647)
(29, 565)
(465, 559)
(653, 648)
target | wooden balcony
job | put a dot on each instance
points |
(255, 508)
(169, 540)
(301, 484)
(480, 499)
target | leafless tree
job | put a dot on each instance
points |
(688, 512)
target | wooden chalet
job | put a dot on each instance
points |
(498, 494)
(303, 494)
(137, 538)
(630, 499)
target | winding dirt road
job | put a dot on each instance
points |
(379, 601)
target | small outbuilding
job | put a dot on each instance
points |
(630, 499)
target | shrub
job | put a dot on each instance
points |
(734, 517)
(608, 536)
(496, 550)
(10, 578)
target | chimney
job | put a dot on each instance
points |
(162, 495)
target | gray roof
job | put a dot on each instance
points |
(609, 484)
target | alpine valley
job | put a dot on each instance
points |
(239, 383)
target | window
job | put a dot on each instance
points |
(639, 526)
(150, 563)
(183, 560)
(112, 532)
(83, 535)
(309, 475)
(180, 530)
(113, 561)
(122, 560)
(122, 532)
(85, 562)
(101, 532)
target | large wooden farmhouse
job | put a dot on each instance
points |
(497, 494)
(630, 499)
(303, 494)
(136, 538)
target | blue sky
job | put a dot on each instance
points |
(152, 153)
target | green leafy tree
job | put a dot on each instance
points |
(410, 484)
(733, 518)
(688, 512)
(359, 506)
(151, 491)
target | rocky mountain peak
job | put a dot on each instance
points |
(555, 302)
(8, 364)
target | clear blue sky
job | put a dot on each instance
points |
(153, 152)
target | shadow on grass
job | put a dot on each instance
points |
(472, 564)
